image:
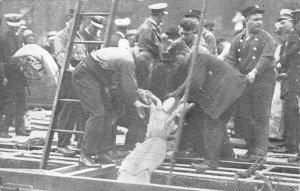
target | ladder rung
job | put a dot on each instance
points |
(93, 14)
(88, 42)
(70, 100)
(67, 131)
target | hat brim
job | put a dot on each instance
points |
(255, 12)
(100, 26)
(284, 18)
(13, 24)
(165, 12)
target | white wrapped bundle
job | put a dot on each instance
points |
(42, 56)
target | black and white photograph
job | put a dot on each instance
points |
(149, 95)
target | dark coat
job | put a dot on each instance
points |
(291, 60)
(215, 85)
(115, 39)
(151, 31)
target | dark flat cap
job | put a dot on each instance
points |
(176, 48)
(296, 15)
(193, 13)
(151, 46)
(97, 21)
(252, 10)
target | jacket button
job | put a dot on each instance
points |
(253, 57)
(239, 59)
(210, 72)
(254, 48)
(241, 40)
(256, 39)
(239, 50)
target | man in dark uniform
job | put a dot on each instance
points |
(291, 60)
(122, 25)
(3, 84)
(252, 53)
(109, 69)
(150, 29)
(17, 82)
(91, 32)
(215, 88)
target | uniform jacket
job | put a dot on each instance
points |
(291, 60)
(114, 42)
(15, 75)
(215, 85)
(79, 51)
(150, 30)
(118, 67)
(257, 52)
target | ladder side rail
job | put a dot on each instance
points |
(50, 134)
(111, 18)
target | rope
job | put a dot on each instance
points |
(252, 172)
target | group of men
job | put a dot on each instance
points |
(112, 84)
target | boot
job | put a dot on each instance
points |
(4, 130)
(21, 132)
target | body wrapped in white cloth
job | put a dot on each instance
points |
(139, 165)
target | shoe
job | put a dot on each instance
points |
(202, 167)
(294, 159)
(106, 158)
(88, 161)
(282, 149)
(5, 135)
(66, 151)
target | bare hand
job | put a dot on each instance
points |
(251, 75)
(140, 108)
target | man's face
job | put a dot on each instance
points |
(93, 29)
(13, 29)
(29, 40)
(187, 36)
(283, 37)
(254, 22)
(297, 26)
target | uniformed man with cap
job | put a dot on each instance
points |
(131, 36)
(283, 28)
(50, 42)
(92, 32)
(215, 88)
(252, 53)
(150, 29)
(291, 60)
(119, 38)
(111, 69)
(207, 39)
(17, 82)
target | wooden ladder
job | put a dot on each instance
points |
(74, 27)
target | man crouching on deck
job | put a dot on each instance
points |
(215, 88)
(109, 70)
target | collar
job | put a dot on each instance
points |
(153, 21)
(121, 34)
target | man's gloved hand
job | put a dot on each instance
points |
(251, 75)
(140, 108)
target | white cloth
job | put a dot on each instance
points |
(43, 56)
